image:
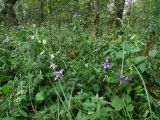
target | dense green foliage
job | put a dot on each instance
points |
(86, 91)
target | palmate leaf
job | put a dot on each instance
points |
(81, 116)
(117, 103)
(40, 96)
(127, 98)
(130, 107)
(140, 59)
(153, 53)
(89, 106)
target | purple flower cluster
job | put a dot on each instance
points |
(76, 14)
(58, 74)
(123, 78)
(20, 27)
(106, 66)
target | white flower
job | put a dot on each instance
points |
(44, 41)
(57, 52)
(32, 37)
(6, 40)
(132, 37)
(52, 56)
(42, 52)
(53, 66)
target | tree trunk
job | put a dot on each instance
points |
(130, 4)
(50, 8)
(41, 9)
(20, 10)
(149, 43)
(87, 14)
(8, 12)
(119, 7)
(96, 17)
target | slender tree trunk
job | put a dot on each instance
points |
(153, 29)
(130, 4)
(3, 14)
(20, 10)
(50, 8)
(9, 13)
(119, 7)
(87, 14)
(96, 17)
(149, 43)
(41, 11)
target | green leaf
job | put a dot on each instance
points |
(153, 53)
(96, 87)
(90, 106)
(7, 118)
(127, 98)
(23, 113)
(53, 108)
(157, 79)
(49, 74)
(81, 116)
(119, 54)
(142, 67)
(139, 59)
(5, 89)
(40, 96)
(117, 103)
(107, 109)
(130, 107)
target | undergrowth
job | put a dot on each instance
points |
(104, 78)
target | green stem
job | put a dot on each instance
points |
(146, 91)
(62, 91)
(123, 58)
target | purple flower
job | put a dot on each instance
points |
(20, 27)
(59, 74)
(76, 14)
(53, 66)
(106, 65)
(123, 78)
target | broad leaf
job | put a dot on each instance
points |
(5, 89)
(117, 103)
(40, 96)
(153, 53)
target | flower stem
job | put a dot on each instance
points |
(146, 91)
